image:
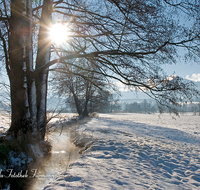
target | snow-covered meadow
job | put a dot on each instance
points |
(136, 151)
(130, 151)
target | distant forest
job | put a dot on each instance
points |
(148, 107)
(145, 106)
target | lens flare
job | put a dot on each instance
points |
(59, 33)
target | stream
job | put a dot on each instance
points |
(45, 169)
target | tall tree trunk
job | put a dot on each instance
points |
(43, 57)
(31, 88)
(87, 97)
(76, 100)
(77, 104)
(17, 65)
(28, 87)
(85, 112)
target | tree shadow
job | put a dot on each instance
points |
(127, 128)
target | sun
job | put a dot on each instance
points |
(59, 33)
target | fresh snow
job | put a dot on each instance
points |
(136, 151)
(4, 122)
(130, 151)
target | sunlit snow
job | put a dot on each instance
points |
(137, 151)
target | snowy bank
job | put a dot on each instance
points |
(137, 151)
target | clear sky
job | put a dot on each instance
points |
(189, 71)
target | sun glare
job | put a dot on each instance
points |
(59, 33)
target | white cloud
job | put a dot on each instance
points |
(171, 77)
(195, 77)
(122, 87)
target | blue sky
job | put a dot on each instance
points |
(187, 71)
(190, 71)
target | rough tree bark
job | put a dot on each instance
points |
(28, 86)
(43, 57)
(17, 67)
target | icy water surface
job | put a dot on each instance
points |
(40, 173)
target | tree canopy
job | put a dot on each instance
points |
(85, 91)
(126, 40)
(130, 41)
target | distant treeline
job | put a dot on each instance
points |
(148, 107)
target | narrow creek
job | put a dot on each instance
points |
(45, 169)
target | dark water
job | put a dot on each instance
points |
(45, 169)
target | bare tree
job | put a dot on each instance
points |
(86, 91)
(199, 108)
(127, 40)
(27, 88)
(132, 46)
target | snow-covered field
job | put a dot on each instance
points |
(136, 151)
(130, 151)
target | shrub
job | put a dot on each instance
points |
(4, 153)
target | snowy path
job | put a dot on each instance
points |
(137, 151)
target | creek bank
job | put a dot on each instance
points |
(37, 169)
